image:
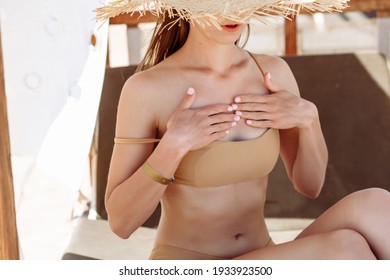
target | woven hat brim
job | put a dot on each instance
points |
(214, 12)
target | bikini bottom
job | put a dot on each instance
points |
(166, 252)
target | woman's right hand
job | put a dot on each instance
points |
(195, 128)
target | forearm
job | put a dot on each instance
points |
(134, 200)
(308, 171)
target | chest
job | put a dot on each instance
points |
(211, 90)
(223, 90)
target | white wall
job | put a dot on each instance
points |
(45, 47)
(53, 85)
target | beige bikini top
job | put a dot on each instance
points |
(225, 162)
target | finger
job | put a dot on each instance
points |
(221, 118)
(253, 107)
(219, 135)
(268, 83)
(249, 107)
(248, 98)
(221, 127)
(259, 124)
(215, 109)
(255, 115)
(188, 99)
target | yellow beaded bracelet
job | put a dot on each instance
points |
(153, 174)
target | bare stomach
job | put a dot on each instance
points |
(224, 221)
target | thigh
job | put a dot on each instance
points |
(339, 244)
(366, 211)
(343, 214)
(353, 228)
(362, 211)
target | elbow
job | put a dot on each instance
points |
(309, 184)
(118, 223)
(311, 193)
(121, 229)
(310, 189)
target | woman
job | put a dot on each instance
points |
(221, 120)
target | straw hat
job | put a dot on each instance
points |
(206, 12)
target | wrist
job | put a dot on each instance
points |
(164, 160)
(173, 143)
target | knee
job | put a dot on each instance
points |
(380, 194)
(375, 193)
(349, 245)
(371, 196)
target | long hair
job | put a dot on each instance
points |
(169, 36)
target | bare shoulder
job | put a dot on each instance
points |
(280, 71)
(139, 86)
(142, 91)
(138, 106)
(272, 63)
(147, 98)
(150, 82)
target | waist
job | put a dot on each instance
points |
(167, 252)
(223, 221)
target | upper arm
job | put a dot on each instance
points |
(283, 77)
(136, 118)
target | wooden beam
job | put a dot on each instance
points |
(362, 6)
(383, 13)
(9, 249)
(368, 5)
(133, 20)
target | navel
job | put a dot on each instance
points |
(238, 236)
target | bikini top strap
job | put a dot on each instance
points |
(135, 140)
(257, 63)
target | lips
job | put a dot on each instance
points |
(231, 27)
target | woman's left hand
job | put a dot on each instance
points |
(280, 109)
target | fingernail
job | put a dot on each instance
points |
(234, 123)
(191, 91)
(237, 118)
(237, 99)
(235, 106)
(238, 113)
(227, 131)
(249, 122)
(230, 108)
(269, 76)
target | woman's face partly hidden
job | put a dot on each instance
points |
(228, 33)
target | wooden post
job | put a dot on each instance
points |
(9, 249)
(290, 31)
